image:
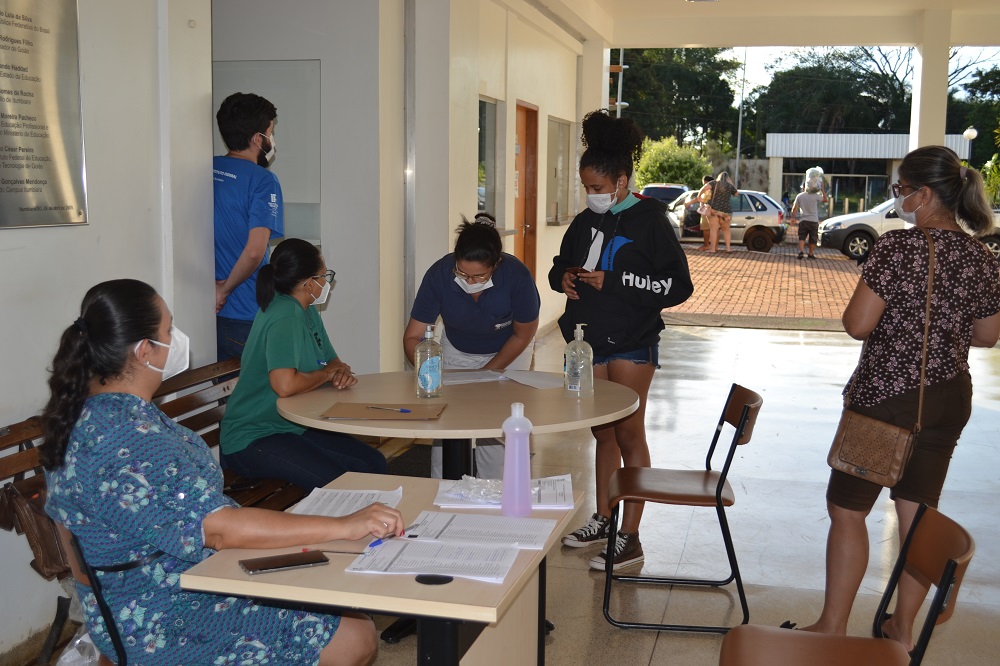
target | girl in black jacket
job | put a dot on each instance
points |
(619, 265)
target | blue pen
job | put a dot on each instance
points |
(379, 542)
(400, 410)
(323, 363)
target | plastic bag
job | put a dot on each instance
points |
(814, 180)
(80, 651)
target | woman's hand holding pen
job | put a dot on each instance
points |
(378, 520)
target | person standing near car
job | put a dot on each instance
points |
(703, 209)
(805, 209)
(721, 213)
(619, 265)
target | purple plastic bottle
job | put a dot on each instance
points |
(515, 499)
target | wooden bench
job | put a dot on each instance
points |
(197, 400)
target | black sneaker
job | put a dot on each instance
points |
(593, 533)
(628, 551)
(801, 254)
(812, 256)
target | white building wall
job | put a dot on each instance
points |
(146, 95)
(357, 208)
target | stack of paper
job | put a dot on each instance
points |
(553, 492)
(337, 503)
(473, 546)
(399, 556)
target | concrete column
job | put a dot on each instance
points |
(930, 80)
(774, 170)
(593, 76)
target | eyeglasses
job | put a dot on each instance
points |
(897, 188)
(484, 277)
(329, 275)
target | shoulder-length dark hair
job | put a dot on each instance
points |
(113, 317)
(292, 261)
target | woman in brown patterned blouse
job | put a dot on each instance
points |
(887, 310)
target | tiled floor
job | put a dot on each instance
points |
(779, 521)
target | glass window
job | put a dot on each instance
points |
(486, 181)
(755, 203)
(559, 179)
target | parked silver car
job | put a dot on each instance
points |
(758, 220)
(855, 234)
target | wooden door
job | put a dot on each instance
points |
(526, 184)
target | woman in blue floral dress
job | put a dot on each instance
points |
(143, 495)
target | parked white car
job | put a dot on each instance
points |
(854, 234)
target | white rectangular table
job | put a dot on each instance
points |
(463, 621)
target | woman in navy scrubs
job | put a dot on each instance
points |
(488, 303)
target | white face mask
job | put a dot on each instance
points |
(602, 203)
(177, 354)
(269, 155)
(475, 287)
(323, 294)
(906, 216)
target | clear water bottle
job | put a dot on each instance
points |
(578, 365)
(515, 499)
(428, 366)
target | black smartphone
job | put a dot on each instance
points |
(576, 270)
(258, 565)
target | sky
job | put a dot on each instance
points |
(759, 56)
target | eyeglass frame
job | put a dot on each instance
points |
(476, 279)
(330, 275)
(897, 187)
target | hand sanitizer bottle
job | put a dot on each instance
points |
(428, 365)
(515, 499)
(578, 365)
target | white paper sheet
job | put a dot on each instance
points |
(538, 380)
(336, 503)
(552, 492)
(401, 556)
(470, 377)
(480, 530)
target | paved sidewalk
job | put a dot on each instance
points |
(774, 290)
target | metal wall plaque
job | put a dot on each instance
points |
(42, 173)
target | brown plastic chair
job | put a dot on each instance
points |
(708, 488)
(937, 550)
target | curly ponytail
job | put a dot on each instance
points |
(113, 317)
(614, 145)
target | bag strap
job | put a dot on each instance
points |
(927, 332)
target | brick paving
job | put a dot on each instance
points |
(773, 290)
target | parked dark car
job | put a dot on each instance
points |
(665, 192)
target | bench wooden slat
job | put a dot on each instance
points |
(204, 419)
(27, 430)
(210, 394)
(195, 376)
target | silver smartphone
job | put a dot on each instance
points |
(259, 565)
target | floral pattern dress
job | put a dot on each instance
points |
(135, 482)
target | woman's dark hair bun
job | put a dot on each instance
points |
(613, 145)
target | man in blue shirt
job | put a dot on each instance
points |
(249, 211)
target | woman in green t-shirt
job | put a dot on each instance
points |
(288, 352)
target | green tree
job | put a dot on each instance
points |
(982, 111)
(664, 161)
(681, 93)
(820, 98)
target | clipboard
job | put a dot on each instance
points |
(363, 411)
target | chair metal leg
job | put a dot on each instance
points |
(734, 575)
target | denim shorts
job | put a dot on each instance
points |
(641, 356)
